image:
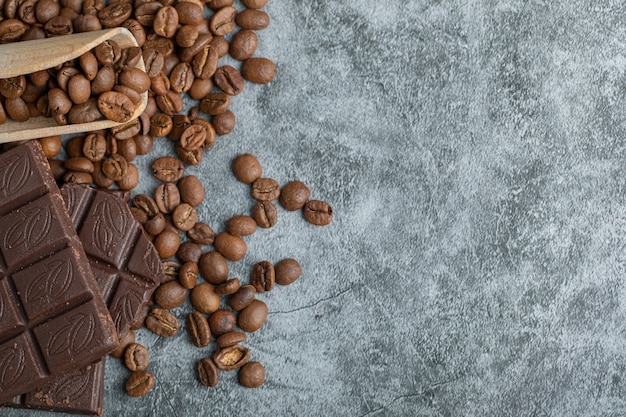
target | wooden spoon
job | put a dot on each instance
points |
(32, 56)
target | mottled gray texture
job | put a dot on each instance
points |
(474, 155)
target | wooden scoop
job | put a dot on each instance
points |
(32, 56)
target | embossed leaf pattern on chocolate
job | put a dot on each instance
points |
(12, 360)
(74, 336)
(71, 386)
(55, 280)
(15, 173)
(2, 303)
(126, 308)
(32, 227)
(109, 224)
(151, 260)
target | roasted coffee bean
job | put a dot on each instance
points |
(137, 31)
(184, 217)
(128, 149)
(94, 146)
(230, 339)
(130, 58)
(146, 12)
(153, 61)
(229, 287)
(181, 78)
(251, 318)
(189, 157)
(104, 81)
(222, 322)
(160, 125)
(108, 52)
(143, 143)
(221, 45)
(189, 252)
(146, 203)
(231, 247)
(242, 298)
(171, 269)
(187, 34)
(85, 113)
(252, 375)
(155, 224)
(125, 341)
(213, 267)
(262, 276)
(115, 167)
(167, 243)
(162, 322)
(11, 30)
(265, 189)
(199, 329)
(243, 45)
(189, 13)
(167, 197)
(180, 122)
(253, 19)
(16, 109)
(188, 275)
(86, 23)
(170, 295)
(224, 123)
(247, 168)
(75, 177)
(79, 89)
(99, 178)
(294, 195)
(287, 271)
(254, 4)
(126, 131)
(231, 357)
(215, 103)
(207, 372)
(59, 26)
(265, 214)
(13, 87)
(139, 214)
(193, 137)
(115, 13)
(168, 169)
(319, 213)
(160, 84)
(202, 234)
(46, 10)
(139, 383)
(116, 106)
(241, 226)
(223, 21)
(165, 22)
(202, 41)
(164, 45)
(135, 79)
(191, 190)
(130, 180)
(204, 63)
(218, 4)
(136, 357)
(229, 80)
(170, 103)
(204, 298)
(51, 146)
(209, 137)
(258, 70)
(39, 78)
(79, 164)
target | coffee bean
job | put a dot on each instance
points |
(262, 276)
(231, 357)
(136, 357)
(184, 217)
(265, 214)
(170, 295)
(108, 52)
(213, 267)
(229, 287)
(146, 203)
(191, 190)
(204, 63)
(199, 329)
(241, 226)
(242, 298)
(247, 168)
(207, 372)
(258, 70)
(218, 4)
(221, 45)
(200, 88)
(224, 123)
(162, 322)
(13, 87)
(167, 243)
(130, 59)
(146, 12)
(222, 321)
(99, 178)
(165, 22)
(104, 81)
(58, 26)
(294, 195)
(16, 109)
(160, 125)
(254, 4)
(223, 21)
(188, 275)
(229, 80)
(139, 383)
(252, 317)
(189, 13)
(46, 10)
(170, 103)
(319, 213)
(136, 79)
(189, 157)
(115, 13)
(230, 339)
(168, 169)
(84, 113)
(243, 45)
(204, 298)
(172, 269)
(75, 177)
(189, 252)
(136, 29)
(167, 197)
(128, 149)
(252, 375)
(116, 106)
(56, 166)
(51, 146)
(143, 143)
(231, 247)
(115, 167)
(94, 146)
(287, 271)
(265, 189)
(86, 23)
(253, 19)
(79, 164)
(215, 103)
(155, 224)
(193, 137)
(201, 233)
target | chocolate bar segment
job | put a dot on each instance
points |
(77, 392)
(52, 317)
(126, 265)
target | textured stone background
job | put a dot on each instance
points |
(474, 155)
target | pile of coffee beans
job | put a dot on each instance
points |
(104, 83)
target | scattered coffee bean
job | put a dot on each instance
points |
(167, 243)
(231, 357)
(318, 212)
(204, 298)
(213, 267)
(287, 271)
(230, 339)
(265, 189)
(242, 298)
(222, 321)
(191, 190)
(188, 275)
(168, 169)
(229, 287)
(231, 247)
(262, 276)
(170, 295)
(136, 357)
(184, 217)
(252, 375)
(189, 252)
(265, 214)
(167, 197)
(139, 383)
(294, 195)
(207, 372)
(241, 225)
(199, 329)
(201, 233)
(162, 322)
(252, 317)
(247, 168)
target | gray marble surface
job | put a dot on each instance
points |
(473, 152)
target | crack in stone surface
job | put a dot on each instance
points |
(339, 294)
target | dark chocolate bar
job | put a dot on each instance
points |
(52, 317)
(77, 392)
(126, 265)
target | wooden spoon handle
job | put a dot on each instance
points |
(31, 56)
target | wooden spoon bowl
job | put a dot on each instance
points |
(32, 56)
